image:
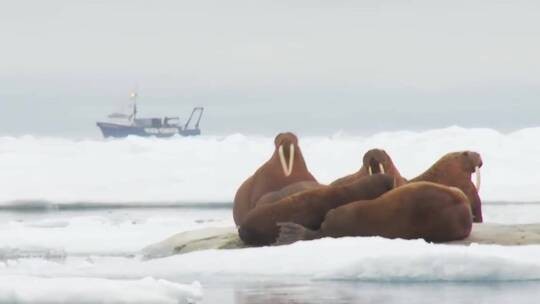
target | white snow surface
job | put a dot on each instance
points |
(97, 254)
(28, 289)
(115, 232)
(123, 232)
(361, 259)
(210, 169)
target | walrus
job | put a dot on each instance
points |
(374, 161)
(308, 208)
(285, 167)
(455, 170)
(420, 210)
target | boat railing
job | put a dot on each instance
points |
(196, 111)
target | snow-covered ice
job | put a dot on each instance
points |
(118, 232)
(60, 228)
(209, 169)
(123, 232)
(361, 259)
(26, 289)
(91, 250)
(103, 246)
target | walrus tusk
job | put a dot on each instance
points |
(478, 178)
(291, 159)
(287, 170)
(370, 171)
(282, 161)
(381, 168)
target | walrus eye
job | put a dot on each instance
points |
(478, 178)
(287, 170)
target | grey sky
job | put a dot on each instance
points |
(264, 66)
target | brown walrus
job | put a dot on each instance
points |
(455, 170)
(423, 210)
(374, 161)
(308, 208)
(284, 168)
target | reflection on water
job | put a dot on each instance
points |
(347, 292)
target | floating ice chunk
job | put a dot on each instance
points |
(362, 259)
(30, 289)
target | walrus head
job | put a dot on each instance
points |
(377, 161)
(456, 169)
(286, 144)
(472, 162)
(462, 163)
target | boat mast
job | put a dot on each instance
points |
(133, 97)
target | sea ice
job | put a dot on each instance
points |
(143, 171)
(31, 289)
(361, 259)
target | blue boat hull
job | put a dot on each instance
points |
(121, 131)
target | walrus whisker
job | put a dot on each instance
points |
(478, 178)
(381, 168)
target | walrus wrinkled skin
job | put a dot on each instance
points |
(308, 208)
(275, 196)
(286, 167)
(420, 210)
(374, 161)
(455, 170)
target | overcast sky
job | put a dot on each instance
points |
(311, 66)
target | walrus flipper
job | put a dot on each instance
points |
(290, 232)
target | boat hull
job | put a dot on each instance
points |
(121, 131)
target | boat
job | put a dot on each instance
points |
(125, 122)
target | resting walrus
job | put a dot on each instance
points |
(423, 210)
(455, 170)
(284, 168)
(308, 208)
(374, 161)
